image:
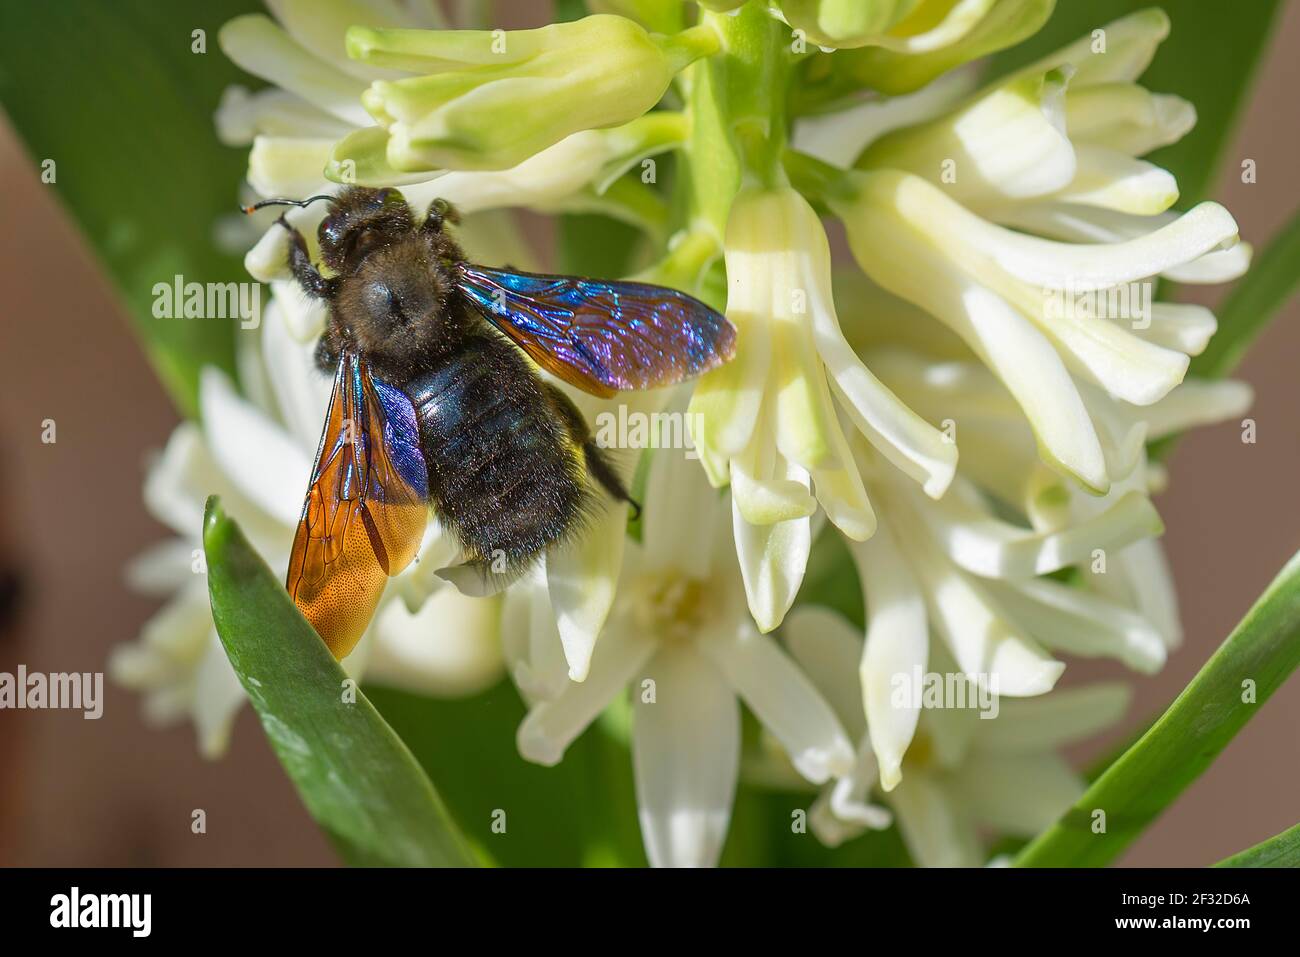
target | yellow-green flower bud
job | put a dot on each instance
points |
(490, 100)
(846, 23)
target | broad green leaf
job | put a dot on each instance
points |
(1209, 58)
(354, 774)
(1248, 667)
(579, 813)
(1253, 302)
(1281, 850)
(113, 94)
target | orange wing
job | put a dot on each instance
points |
(366, 509)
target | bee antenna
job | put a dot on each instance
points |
(285, 202)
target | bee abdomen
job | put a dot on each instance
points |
(504, 475)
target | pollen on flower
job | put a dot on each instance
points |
(920, 753)
(671, 606)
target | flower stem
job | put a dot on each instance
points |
(683, 49)
(818, 180)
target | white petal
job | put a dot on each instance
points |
(1018, 794)
(302, 391)
(677, 532)
(897, 644)
(1222, 265)
(1007, 144)
(268, 466)
(581, 579)
(218, 696)
(985, 644)
(170, 646)
(162, 567)
(1127, 366)
(1073, 621)
(828, 649)
(937, 831)
(1180, 326)
(304, 319)
(179, 482)
(1045, 263)
(478, 579)
(838, 138)
(896, 252)
(1139, 577)
(1109, 178)
(321, 27)
(1096, 224)
(287, 165)
(765, 487)
(1204, 228)
(980, 542)
(850, 796)
(256, 44)
(1127, 117)
(1054, 720)
(772, 559)
(1129, 44)
(242, 115)
(784, 701)
(955, 21)
(902, 436)
(451, 647)
(1198, 402)
(551, 725)
(685, 755)
(726, 401)
(1033, 372)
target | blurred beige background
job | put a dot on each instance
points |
(116, 792)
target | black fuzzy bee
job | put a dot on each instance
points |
(435, 403)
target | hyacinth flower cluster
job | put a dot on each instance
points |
(964, 410)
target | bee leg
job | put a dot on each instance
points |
(303, 269)
(598, 461)
(440, 211)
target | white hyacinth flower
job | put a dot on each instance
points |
(256, 452)
(680, 637)
(962, 569)
(1023, 221)
(770, 419)
(968, 770)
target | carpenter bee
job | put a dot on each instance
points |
(434, 402)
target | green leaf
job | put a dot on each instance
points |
(1253, 302)
(581, 812)
(356, 777)
(1281, 850)
(1258, 656)
(112, 93)
(1209, 58)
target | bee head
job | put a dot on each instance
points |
(395, 302)
(360, 221)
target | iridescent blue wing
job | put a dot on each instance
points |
(602, 336)
(366, 506)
